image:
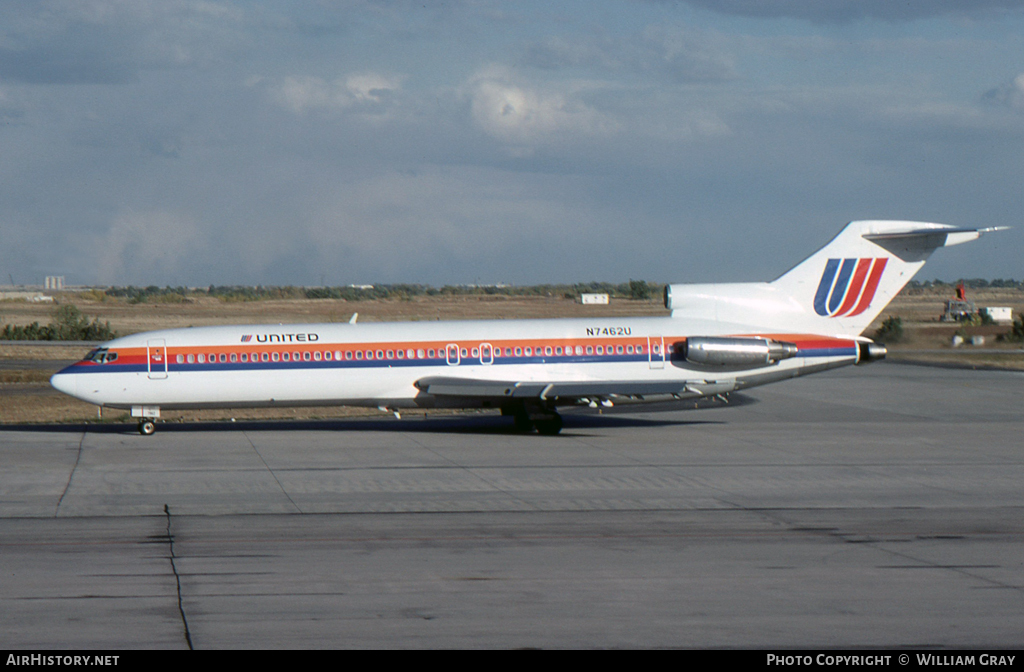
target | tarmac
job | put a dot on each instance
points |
(878, 506)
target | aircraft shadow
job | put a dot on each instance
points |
(576, 420)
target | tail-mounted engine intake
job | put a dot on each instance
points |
(735, 352)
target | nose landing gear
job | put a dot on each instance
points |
(147, 416)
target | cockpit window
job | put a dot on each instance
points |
(100, 356)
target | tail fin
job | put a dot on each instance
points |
(840, 289)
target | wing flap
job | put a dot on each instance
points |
(546, 390)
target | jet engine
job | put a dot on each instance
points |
(735, 352)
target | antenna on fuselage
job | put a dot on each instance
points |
(355, 316)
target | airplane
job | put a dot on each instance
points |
(719, 338)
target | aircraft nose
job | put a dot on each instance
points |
(65, 382)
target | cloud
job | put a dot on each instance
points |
(367, 93)
(843, 11)
(152, 245)
(109, 41)
(1010, 94)
(442, 225)
(517, 113)
(675, 53)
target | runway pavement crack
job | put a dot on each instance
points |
(177, 578)
(272, 474)
(67, 485)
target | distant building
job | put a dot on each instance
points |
(999, 314)
(594, 299)
(55, 282)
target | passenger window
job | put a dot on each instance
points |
(528, 351)
(420, 354)
(359, 354)
(317, 356)
(275, 356)
(380, 354)
(202, 358)
(600, 350)
(519, 352)
(307, 356)
(548, 350)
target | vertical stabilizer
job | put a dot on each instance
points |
(840, 289)
(851, 280)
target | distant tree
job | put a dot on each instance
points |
(69, 324)
(639, 289)
(891, 330)
(1017, 332)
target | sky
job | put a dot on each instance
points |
(198, 142)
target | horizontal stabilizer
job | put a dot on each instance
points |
(933, 231)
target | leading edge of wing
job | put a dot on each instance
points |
(549, 390)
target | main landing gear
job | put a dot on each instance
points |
(546, 421)
(146, 427)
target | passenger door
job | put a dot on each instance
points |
(156, 358)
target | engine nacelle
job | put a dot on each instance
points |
(736, 352)
(870, 352)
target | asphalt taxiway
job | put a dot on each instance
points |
(877, 506)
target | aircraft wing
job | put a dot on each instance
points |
(444, 386)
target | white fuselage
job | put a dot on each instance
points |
(379, 364)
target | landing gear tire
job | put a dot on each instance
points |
(146, 427)
(520, 418)
(549, 426)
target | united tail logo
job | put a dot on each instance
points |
(847, 286)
